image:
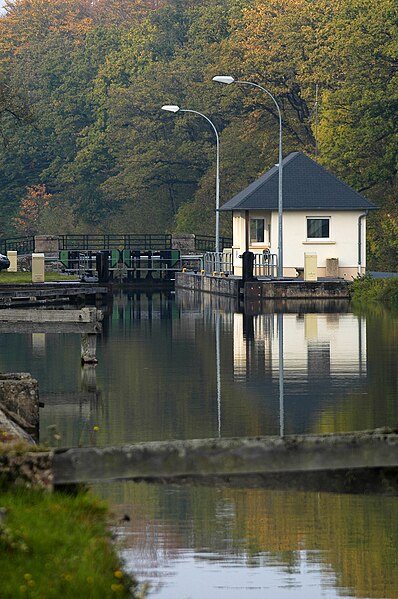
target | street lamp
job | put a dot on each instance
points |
(173, 108)
(228, 80)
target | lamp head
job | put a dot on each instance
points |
(224, 79)
(171, 108)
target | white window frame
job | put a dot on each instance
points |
(253, 242)
(315, 239)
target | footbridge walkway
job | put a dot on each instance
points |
(132, 256)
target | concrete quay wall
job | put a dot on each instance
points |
(204, 284)
(293, 289)
(263, 290)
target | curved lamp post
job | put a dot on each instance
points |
(228, 80)
(173, 108)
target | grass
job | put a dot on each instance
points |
(14, 278)
(54, 545)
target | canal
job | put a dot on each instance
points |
(195, 367)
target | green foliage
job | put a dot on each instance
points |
(82, 83)
(367, 289)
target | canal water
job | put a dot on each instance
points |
(196, 367)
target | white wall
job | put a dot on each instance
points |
(343, 242)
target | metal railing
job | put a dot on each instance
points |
(218, 262)
(144, 241)
(22, 245)
(265, 265)
(207, 243)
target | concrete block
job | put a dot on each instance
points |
(185, 243)
(332, 268)
(19, 397)
(37, 268)
(47, 243)
(310, 267)
(12, 256)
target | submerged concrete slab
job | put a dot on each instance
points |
(204, 458)
(34, 320)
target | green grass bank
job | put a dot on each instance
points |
(368, 289)
(17, 278)
(56, 545)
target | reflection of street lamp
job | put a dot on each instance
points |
(228, 80)
(172, 108)
(281, 377)
(218, 371)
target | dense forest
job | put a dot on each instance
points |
(85, 146)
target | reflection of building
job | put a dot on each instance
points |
(327, 345)
(318, 361)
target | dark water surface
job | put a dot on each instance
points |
(195, 368)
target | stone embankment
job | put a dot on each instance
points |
(19, 429)
(19, 407)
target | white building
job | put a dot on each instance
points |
(321, 216)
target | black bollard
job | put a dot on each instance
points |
(102, 263)
(247, 266)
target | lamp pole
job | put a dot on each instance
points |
(228, 80)
(173, 108)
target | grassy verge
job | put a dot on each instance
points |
(13, 278)
(367, 289)
(54, 545)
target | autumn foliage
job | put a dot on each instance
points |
(82, 83)
(31, 209)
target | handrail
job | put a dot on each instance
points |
(23, 245)
(141, 241)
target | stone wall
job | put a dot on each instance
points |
(19, 401)
(184, 243)
(46, 244)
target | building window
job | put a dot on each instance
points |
(257, 228)
(318, 228)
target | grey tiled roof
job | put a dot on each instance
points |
(306, 186)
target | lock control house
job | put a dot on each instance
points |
(321, 216)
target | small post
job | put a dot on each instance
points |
(37, 268)
(89, 377)
(88, 346)
(12, 256)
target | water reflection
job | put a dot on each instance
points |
(202, 367)
(249, 542)
(196, 367)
